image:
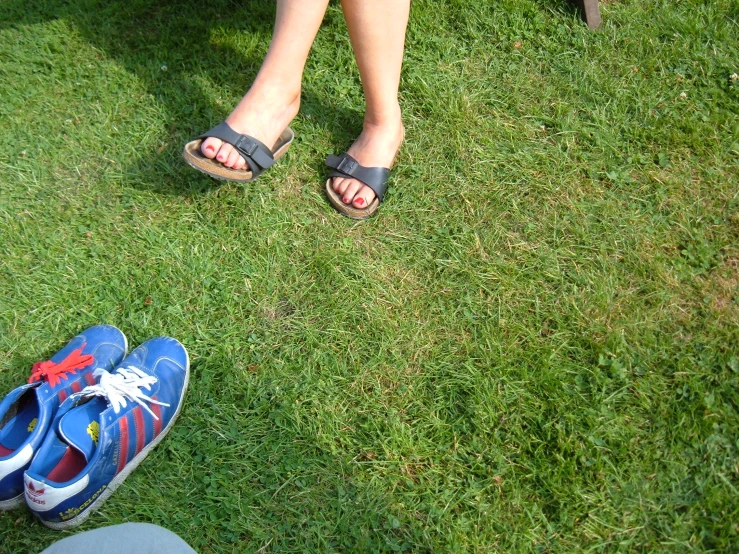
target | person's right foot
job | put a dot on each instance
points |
(262, 114)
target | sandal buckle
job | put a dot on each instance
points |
(246, 145)
(346, 165)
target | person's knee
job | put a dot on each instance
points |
(125, 538)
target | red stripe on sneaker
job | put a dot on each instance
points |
(157, 409)
(123, 454)
(62, 396)
(76, 387)
(140, 430)
(89, 378)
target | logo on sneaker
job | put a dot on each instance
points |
(71, 512)
(33, 494)
(32, 425)
(94, 431)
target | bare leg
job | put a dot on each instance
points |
(274, 98)
(377, 31)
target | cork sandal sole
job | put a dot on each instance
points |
(195, 159)
(349, 210)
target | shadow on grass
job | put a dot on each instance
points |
(566, 7)
(144, 35)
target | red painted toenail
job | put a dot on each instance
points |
(210, 148)
(359, 201)
(346, 200)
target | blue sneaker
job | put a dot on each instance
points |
(101, 434)
(27, 412)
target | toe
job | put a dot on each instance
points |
(351, 191)
(233, 158)
(364, 197)
(210, 146)
(339, 185)
(224, 152)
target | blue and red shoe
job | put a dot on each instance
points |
(27, 412)
(101, 434)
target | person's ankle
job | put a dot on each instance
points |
(264, 108)
(390, 118)
(286, 93)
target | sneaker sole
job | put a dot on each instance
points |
(6, 505)
(133, 464)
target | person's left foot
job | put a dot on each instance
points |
(376, 146)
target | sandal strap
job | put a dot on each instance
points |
(375, 178)
(255, 152)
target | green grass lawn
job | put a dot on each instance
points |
(534, 347)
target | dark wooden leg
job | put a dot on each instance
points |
(590, 12)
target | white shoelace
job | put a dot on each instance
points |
(123, 385)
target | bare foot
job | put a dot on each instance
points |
(376, 146)
(263, 113)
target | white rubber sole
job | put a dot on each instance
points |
(130, 466)
(6, 505)
(125, 343)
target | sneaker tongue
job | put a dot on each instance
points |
(80, 426)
